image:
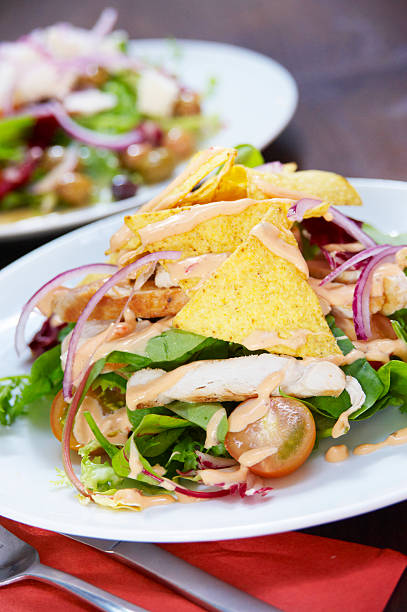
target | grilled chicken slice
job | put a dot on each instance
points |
(234, 379)
(149, 302)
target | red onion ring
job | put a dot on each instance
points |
(351, 228)
(298, 210)
(120, 275)
(189, 492)
(98, 268)
(92, 138)
(105, 23)
(361, 297)
(370, 252)
(211, 462)
(66, 437)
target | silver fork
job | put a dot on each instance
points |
(19, 560)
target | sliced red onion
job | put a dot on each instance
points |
(216, 463)
(361, 297)
(51, 180)
(274, 167)
(98, 268)
(96, 139)
(119, 276)
(356, 259)
(298, 210)
(351, 228)
(66, 437)
(189, 492)
(105, 23)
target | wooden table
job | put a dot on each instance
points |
(350, 62)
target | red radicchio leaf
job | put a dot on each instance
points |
(46, 338)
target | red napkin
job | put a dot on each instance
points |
(293, 571)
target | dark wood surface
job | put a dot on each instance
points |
(350, 62)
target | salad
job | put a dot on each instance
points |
(83, 121)
(241, 318)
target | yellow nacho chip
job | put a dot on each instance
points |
(179, 191)
(257, 293)
(327, 186)
(221, 233)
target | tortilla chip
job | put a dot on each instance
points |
(327, 186)
(200, 166)
(255, 290)
(220, 234)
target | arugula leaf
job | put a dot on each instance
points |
(248, 156)
(156, 423)
(107, 446)
(399, 322)
(184, 453)
(136, 416)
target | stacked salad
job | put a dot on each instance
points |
(241, 318)
(83, 121)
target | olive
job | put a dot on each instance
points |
(134, 156)
(188, 103)
(180, 142)
(53, 156)
(94, 76)
(157, 165)
(74, 188)
(122, 187)
(286, 432)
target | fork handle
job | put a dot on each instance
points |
(88, 592)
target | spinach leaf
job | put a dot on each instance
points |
(399, 322)
(200, 414)
(156, 445)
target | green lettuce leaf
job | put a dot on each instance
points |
(248, 156)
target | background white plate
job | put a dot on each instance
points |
(255, 97)
(318, 492)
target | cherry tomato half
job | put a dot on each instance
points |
(288, 428)
(58, 410)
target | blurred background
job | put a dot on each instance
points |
(349, 60)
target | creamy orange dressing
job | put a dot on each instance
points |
(338, 453)
(201, 266)
(117, 337)
(114, 426)
(255, 455)
(357, 398)
(271, 237)
(256, 408)
(212, 428)
(46, 303)
(346, 247)
(394, 439)
(131, 497)
(380, 273)
(272, 191)
(120, 238)
(336, 294)
(146, 394)
(260, 339)
(224, 475)
(376, 350)
(188, 219)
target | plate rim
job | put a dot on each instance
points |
(264, 527)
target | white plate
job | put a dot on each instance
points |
(317, 493)
(255, 97)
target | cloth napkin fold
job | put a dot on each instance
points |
(294, 571)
